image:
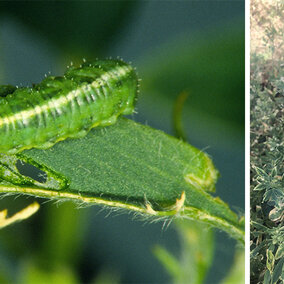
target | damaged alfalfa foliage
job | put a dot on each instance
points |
(267, 166)
(267, 179)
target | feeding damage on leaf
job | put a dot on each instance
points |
(11, 172)
(174, 209)
(205, 179)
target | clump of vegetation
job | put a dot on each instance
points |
(267, 142)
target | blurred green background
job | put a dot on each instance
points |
(193, 46)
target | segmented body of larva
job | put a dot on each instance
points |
(66, 107)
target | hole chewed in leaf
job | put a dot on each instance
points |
(19, 170)
(31, 171)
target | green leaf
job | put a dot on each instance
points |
(197, 246)
(270, 260)
(280, 251)
(32, 273)
(177, 116)
(134, 167)
(237, 273)
(267, 277)
(279, 268)
(170, 263)
(65, 238)
(197, 250)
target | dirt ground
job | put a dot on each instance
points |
(267, 28)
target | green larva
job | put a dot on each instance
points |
(66, 107)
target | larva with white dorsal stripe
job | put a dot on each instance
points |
(66, 107)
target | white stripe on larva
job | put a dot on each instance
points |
(88, 94)
(19, 117)
(106, 76)
(55, 104)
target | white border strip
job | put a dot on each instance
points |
(247, 140)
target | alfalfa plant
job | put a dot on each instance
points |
(267, 143)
